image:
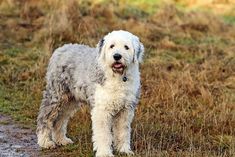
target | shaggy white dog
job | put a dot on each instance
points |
(106, 77)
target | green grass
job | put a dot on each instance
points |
(13, 102)
(229, 19)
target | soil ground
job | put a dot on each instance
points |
(15, 140)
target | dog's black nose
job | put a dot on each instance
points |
(117, 56)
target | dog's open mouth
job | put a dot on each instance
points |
(118, 67)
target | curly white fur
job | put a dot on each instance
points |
(79, 74)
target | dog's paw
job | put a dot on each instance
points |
(126, 151)
(104, 154)
(64, 141)
(47, 144)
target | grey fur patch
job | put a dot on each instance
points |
(71, 67)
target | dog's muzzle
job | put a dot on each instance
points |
(118, 67)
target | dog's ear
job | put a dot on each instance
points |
(140, 52)
(100, 45)
(138, 48)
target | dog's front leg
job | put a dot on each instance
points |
(122, 131)
(102, 136)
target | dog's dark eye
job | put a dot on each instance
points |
(111, 46)
(126, 47)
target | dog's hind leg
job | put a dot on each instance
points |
(47, 114)
(60, 125)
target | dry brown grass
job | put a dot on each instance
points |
(188, 102)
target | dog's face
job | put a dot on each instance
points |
(120, 49)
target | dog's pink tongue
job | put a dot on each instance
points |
(117, 65)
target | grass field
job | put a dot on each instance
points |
(187, 106)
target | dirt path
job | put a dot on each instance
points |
(16, 141)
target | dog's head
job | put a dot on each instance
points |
(120, 49)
